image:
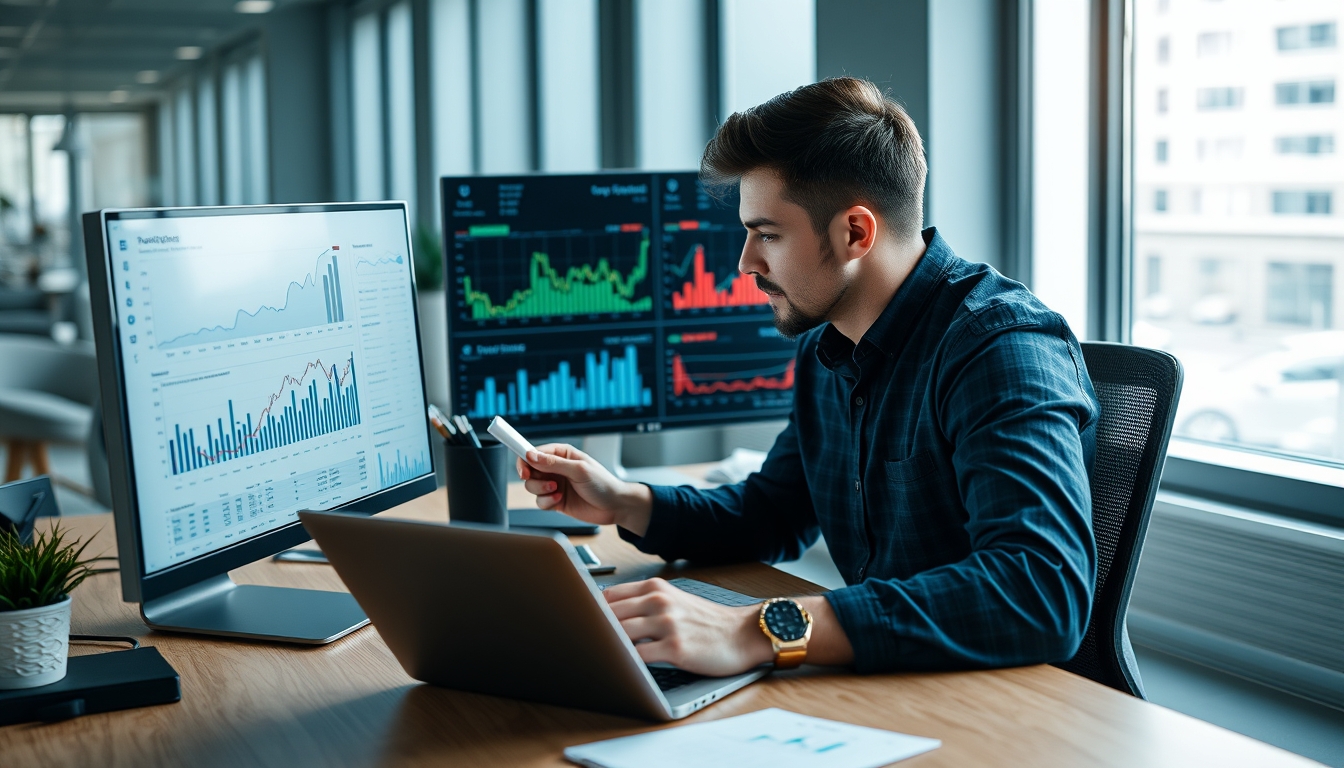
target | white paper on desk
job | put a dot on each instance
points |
(770, 738)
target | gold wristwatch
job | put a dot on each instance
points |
(789, 627)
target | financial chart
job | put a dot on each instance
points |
(606, 302)
(268, 361)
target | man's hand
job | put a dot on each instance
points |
(689, 632)
(566, 479)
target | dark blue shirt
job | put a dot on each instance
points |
(945, 459)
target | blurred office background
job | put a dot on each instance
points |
(1176, 187)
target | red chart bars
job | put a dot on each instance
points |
(683, 384)
(700, 292)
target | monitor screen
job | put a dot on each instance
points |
(270, 363)
(604, 303)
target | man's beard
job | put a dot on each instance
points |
(790, 321)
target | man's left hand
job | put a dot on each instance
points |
(689, 632)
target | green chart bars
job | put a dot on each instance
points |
(581, 290)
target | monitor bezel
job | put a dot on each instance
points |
(137, 585)
(447, 185)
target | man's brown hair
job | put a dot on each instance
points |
(836, 143)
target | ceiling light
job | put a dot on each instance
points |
(190, 52)
(147, 77)
(118, 96)
(253, 6)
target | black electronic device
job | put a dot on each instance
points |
(22, 502)
(253, 361)
(597, 304)
(99, 682)
(550, 520)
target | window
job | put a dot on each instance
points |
(1306, 36)
(1247, 294)
(1161, 151)
(1163, 50)
(1302, 202)
(1162, 100)
(1300, 294)
(1213, 44)
(1218, 98)
(1317, 144)
(1305, 92)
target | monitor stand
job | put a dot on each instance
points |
(607, 450)
(219, 607)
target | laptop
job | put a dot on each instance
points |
(503, 612)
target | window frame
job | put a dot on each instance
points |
(1305, 488)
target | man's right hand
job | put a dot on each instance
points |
(568, 480)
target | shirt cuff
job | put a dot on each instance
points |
(661, 534)
(874, 644)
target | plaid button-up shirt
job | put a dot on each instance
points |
(945, 458)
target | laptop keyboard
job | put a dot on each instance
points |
(671, 678)
(714, 593)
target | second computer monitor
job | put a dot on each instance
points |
(595, 303)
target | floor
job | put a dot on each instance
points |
(1272, 716)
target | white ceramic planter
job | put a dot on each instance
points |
(34, 644)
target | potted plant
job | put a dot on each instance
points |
(35, 584)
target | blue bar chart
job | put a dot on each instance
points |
(607, 382)
(394, 470)
(329, 402)
(331, 287)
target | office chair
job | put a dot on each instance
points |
(1138, 389)
(46, 394)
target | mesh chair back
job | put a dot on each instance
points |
(1137, 389)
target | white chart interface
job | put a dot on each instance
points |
(270, 365)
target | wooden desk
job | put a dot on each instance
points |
(349, 703)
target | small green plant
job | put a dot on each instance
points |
(41, 573)
(428, 259)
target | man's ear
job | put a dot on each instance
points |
(853, 232)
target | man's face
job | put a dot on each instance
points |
(791, 263)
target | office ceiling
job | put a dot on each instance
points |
(55, 53)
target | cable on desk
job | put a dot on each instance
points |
(105, 639)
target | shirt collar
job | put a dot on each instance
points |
(891, 329)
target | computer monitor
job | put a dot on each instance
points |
(606, 303)
(253, 361)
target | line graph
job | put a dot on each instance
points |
(318, 298)
(233, 436)
(726, 367)
(565, 273)
(371, 265)
(737, 381)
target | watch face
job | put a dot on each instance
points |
(785, 621)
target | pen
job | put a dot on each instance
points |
(465, 425)
(442, 424)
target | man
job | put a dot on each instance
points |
(940, 439)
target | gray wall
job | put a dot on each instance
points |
(943, 62)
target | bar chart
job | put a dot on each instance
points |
(318, 401)
(398, 468)
(582, 380)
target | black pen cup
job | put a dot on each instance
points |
(478, 482)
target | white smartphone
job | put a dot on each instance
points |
(506, 434)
